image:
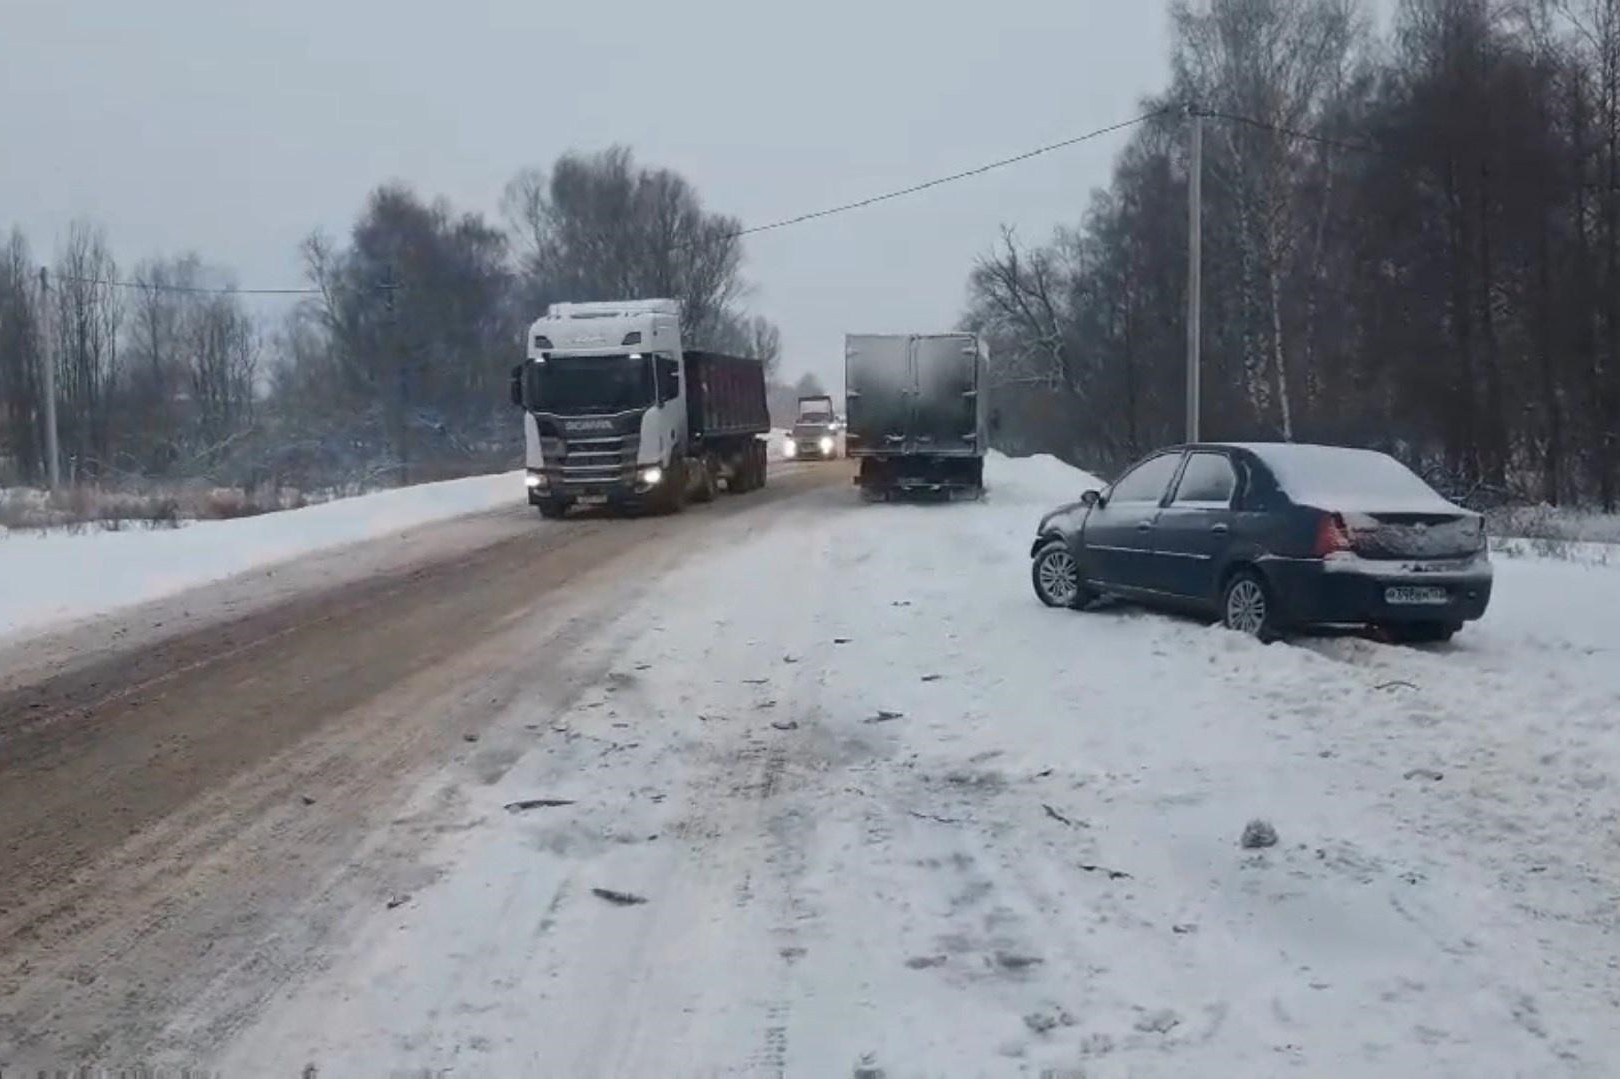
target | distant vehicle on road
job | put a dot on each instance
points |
(1269, 538)
(618, 413)
(815, 431)
(916, 417)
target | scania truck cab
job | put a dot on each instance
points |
(618, 414)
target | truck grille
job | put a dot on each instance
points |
(594, 462)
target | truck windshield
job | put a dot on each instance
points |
(586, 385)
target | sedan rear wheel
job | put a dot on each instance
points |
(1056, 576)
(1246, 607)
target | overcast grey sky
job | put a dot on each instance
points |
(233, 129)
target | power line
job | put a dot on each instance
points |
(965, 174)
(772, 226)
(1303, 136)
(192, 290)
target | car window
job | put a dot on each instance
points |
(1207, 481)
(1147, 481)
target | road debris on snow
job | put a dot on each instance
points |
(866, 1068)
(1061, 819)
(622, 899)
(1016, 961)
(1112, 874)
(1048, 1020)
(537, 803)
(1162, 1021)
(934, 818)
(1257, 835)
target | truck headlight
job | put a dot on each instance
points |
(533, 480)
(651, 477)
(826, 444)
(789, 449)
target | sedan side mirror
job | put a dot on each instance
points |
(1091, 499)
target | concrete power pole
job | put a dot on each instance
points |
(47, 352)
(396, 354)
(1195, 269)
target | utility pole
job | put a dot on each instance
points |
(1195, 268)
(396, 355)
(47, 355)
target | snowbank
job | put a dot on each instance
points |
(1041, 480)
(56, 577)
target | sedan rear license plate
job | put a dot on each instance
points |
(1416, 597)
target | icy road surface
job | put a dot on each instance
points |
(839, 798)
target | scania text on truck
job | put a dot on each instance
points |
(915, 415)
(618, 413)
(815, 432)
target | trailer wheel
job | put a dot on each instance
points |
(751, 474)
(747, 475)
(710, 487)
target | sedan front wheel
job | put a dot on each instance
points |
(1056, 576)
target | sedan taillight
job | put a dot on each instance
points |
(1332, 537)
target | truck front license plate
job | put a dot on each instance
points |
(593, 500)
(1416, 597)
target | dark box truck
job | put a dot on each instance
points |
(915, 414)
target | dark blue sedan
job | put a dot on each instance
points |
(1269, 538)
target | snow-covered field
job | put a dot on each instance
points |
(858, 805)
(56, 576)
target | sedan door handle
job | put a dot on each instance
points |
(1219, 530)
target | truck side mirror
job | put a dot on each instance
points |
(515, 388)
(669, 380)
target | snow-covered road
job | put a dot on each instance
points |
(848, 801)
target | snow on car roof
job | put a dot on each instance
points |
(1348, 480)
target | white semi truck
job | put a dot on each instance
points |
(618, 413)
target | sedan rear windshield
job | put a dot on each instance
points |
(1350, 480)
